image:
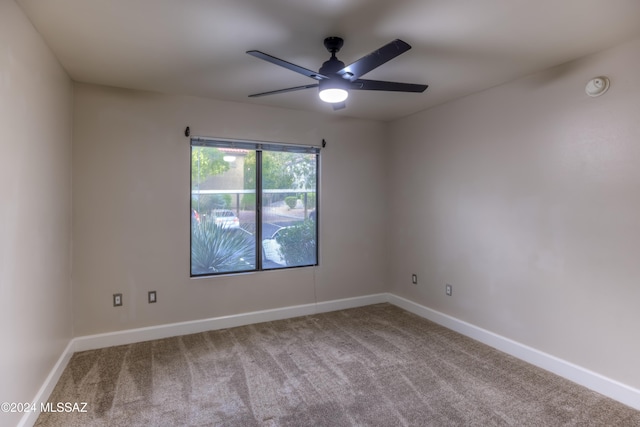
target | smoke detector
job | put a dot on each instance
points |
(597, 86)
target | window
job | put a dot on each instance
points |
(253, 206)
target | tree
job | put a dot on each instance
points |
(303, 169)
(281, 170)
(206, 161)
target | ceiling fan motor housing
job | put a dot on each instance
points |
(331, 67)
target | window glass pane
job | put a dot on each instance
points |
(288, 209)
(223, 210)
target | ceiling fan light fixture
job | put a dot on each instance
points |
(333, 95)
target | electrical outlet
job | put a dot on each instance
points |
(414, 279)
(117, 300)
(449, 290)
(152, 297)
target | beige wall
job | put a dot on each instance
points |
(526, 198)
(131, 209)
(35, 209)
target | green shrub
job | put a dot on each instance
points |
(216, 249)
(248, 202)
(298, 243)
(291, 201)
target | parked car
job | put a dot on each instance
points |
(271, 251)
(225, 218)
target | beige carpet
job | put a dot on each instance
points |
(373, 366)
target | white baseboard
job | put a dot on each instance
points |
(29, 418)
(130, 336)
(611, 388)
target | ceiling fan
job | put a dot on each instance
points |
(335, 80)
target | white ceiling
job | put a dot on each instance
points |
(197, 47)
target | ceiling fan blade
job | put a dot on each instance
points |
(288, 65)
(362, 84)
(338, 105)
(373, 60)
(289, 89)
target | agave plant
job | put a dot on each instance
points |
(216, 249)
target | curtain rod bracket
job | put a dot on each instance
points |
(187, 132)
(324, 143)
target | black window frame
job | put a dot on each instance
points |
(259, 147)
